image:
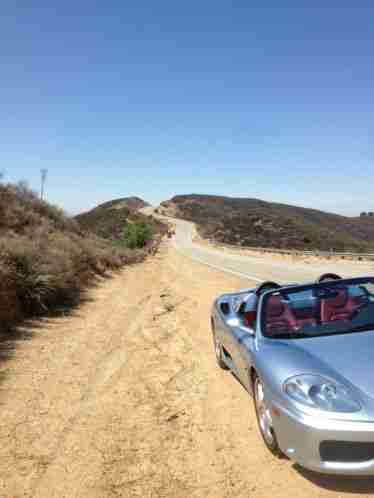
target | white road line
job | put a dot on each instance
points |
(218, 268)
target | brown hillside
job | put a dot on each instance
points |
(108, 220)
(253, 222)
(131, 203)
(46, 259)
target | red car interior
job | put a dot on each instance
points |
(250, 318)
(279, 317)
(342, 307)
(306, 316)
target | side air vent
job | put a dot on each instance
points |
(225, 308)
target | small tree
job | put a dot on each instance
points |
(363, 214)
(136, 235)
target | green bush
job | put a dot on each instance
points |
(136, 235)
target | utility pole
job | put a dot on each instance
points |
(43, 178)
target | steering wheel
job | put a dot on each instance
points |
(326, 277)
(265, 286)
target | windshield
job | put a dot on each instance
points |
(338, 307)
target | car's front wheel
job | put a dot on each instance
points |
(264, 418)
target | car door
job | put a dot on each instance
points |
(241, 343)
(223, 315)
(220, 328)
(231, 346)
(246, 348)
(243, 340)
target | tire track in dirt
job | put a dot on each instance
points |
(157, 448)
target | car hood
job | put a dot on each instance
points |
(350, 356)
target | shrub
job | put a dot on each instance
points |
(136, 235)
(46, 260)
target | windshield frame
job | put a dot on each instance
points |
(300, 288)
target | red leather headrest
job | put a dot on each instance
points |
(340, 300)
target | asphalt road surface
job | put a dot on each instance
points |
(261, 267)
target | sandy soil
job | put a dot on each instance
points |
(123, 399)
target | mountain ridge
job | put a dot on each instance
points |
(251, 222)
(109, 219)
(133, 203)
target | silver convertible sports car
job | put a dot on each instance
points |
(306, 354)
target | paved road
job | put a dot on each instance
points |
(262, 267)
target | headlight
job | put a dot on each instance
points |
(321, 393)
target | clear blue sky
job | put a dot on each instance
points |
(154, 98)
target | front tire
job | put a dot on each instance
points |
(264, 418)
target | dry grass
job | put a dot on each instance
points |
(46, 260)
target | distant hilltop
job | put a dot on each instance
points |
(131, 203)
(108, 219)
(251, 222)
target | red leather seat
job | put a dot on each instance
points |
(279, 317)
(342, 307)
(306, 317)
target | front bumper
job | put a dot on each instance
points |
(300, 436)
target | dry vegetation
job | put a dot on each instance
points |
(46, 258)
(111, 219)
(256, 223)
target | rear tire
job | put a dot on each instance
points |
(264, 419)
(218, 350)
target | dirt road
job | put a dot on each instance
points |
(123, 399)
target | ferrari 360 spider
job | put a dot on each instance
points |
(306, 355)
